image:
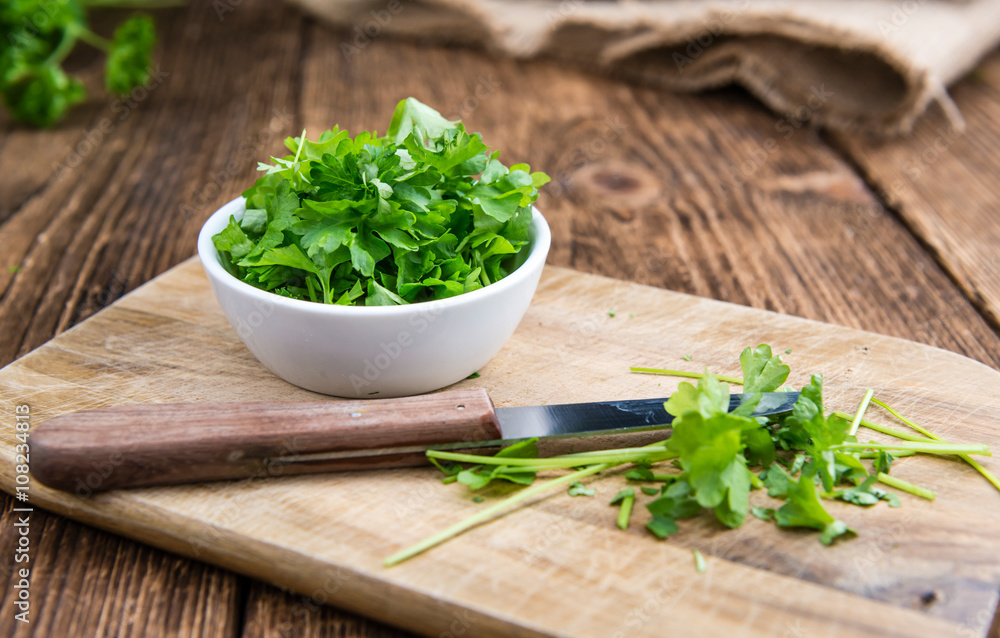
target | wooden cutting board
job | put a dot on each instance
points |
(559, 566)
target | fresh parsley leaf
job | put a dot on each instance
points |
(127, 65)
(760, 448)
(777, 481)
(707, 449)
(649, 491)
(867, 494)
(763, 513)
(639, 474)
(662, 526)
(38, 37)
(883, 461)
(426, 212)
(808, 428)
(762, 371)
(803, 509)
(576, 488)
(628, 492)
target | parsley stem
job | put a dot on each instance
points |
(91, 38)
(928, 434)
(699, 562)
(625, 512)
(685, 373)
(488, 512)
(862, 408)
(896, 453)
(906, 486)
(65, 45)
(899, 434)
(929, 447)
(989, 476)
(617, 457)
(662, 478)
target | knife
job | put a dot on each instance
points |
(163, 444)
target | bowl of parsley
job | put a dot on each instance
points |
(379, 266)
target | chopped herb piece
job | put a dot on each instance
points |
(699, 562)
(883, 461)
(662, 526)
(763, 513)
(626, 498)
(803, 509)
(803, 455)
(577, 488)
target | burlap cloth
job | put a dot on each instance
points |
(853, 65)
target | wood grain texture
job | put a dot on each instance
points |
(328, 533)
(942, 184)
(688, 193)
(172, 443)
(701, 194)
(143, 591)
(94, 208)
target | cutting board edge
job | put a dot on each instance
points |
(488, 625)
(561, 270)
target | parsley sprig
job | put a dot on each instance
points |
(40, 34)
(425, 212)
(805, 456)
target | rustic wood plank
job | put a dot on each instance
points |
(701, 194)
(942, 184)
(85, 582)
(271, 611)
(94, 208)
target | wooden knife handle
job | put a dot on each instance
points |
(160, 444)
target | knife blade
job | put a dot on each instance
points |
(163, 444)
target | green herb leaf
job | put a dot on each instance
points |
(576, 488)
(763, 513)
(662, 526)
(39, 36)
(762, 371)
(127, 65)
(803, 509)
(424, 213)
(883, 461)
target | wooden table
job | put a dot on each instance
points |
(707, 194)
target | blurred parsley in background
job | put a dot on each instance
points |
(38, 35)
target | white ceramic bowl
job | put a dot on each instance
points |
(373, 351)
